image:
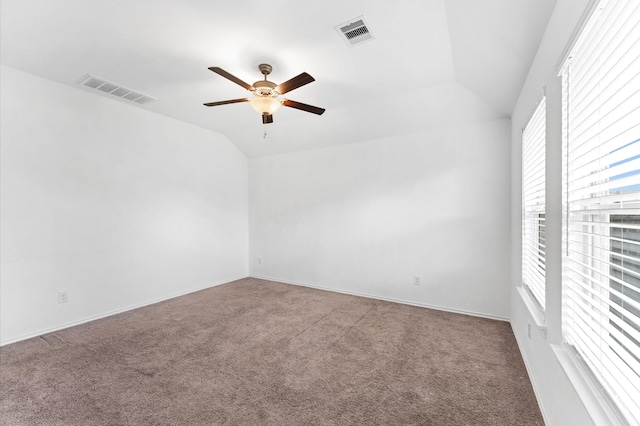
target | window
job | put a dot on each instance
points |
(601, 178)
(533, 203)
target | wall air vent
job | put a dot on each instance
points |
(355, 31)
(115, 89)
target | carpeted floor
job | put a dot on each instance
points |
(255, 352)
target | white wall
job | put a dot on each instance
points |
(116, 205)
(563, 396)
(366, 217)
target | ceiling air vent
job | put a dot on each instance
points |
(355, 31)
(115, 89)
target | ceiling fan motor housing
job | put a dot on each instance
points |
(265, 88)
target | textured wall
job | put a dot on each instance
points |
(114, 204)
(368, 217)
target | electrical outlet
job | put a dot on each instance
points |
(259, 261)
(416, 280)
(529, 331)
(63, 296)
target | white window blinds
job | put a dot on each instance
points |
(601, 177)
(533, 203)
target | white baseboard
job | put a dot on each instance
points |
(386, 299)
(115, 312)
(151, 302)
(536, 389)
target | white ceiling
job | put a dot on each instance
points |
(432, 63)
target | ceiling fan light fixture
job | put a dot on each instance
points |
(265, 104)
(266, 93)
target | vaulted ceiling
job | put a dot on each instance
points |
(432, 63)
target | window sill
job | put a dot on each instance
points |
(534, 309)
(598, 408)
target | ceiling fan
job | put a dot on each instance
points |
(266, 93)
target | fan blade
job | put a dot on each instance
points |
(303, 107)
(294, 83)
(231, 77)
(230, 101)
(267, 118)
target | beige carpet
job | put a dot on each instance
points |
(255, 352)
